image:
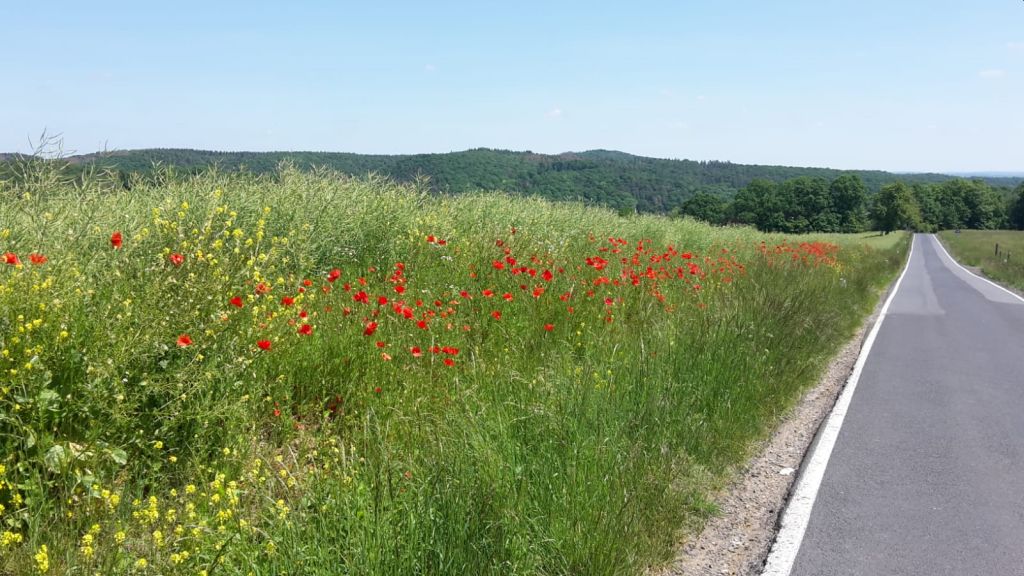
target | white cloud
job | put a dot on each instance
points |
(701, 98)
(554, 113)
(992, 73)
(429, 68)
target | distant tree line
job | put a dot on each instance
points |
(775, 198)
(813, 204)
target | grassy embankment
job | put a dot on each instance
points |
(978, 248)
(308, 374)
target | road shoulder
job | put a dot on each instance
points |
(737, 541)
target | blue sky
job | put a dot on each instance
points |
(909, 85)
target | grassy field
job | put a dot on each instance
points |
(308, 374)
(978, 248)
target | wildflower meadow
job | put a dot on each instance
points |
(307, 373)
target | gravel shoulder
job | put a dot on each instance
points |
(738, 539)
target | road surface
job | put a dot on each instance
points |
(926, 476)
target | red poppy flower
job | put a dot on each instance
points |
(287, 301)
(334, 275)
(382, 300)
(422, 324)
(176, 259)
(305, 314)
(264, 344)
(498, 265)
(441, 242)
(307, 282)
(262, 288)
(450, 350)
(116, 240)
(400, 289)
(416, 352)
(305, 330)
(237, 302)
(361, 296)
(380, 344)
(496, 314)
(549, 327)
(449, 362)
(370, 328)
(488, 292)
(431, 239)
(507, 296)
(547, 275)
(277, 412)
(11, 258)
(377, 390)
(465, 294)
(184, 340)
(37, 259)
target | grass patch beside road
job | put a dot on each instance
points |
(978, 248)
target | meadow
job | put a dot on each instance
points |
(978, 248)
(304, 373)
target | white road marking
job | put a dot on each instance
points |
(953, 260)
(798, 511)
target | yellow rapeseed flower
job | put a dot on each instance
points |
(42, 560)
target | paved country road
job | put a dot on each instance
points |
(926, 476)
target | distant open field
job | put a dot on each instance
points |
(978, 248)
(305, 373)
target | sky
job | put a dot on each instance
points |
(901, 86)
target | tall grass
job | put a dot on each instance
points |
(576, 434)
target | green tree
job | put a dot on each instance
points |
(896, 209)
(753, 203)
(1017, 208)
(849, 199)
(706, 207)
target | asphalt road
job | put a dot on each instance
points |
(927, 473)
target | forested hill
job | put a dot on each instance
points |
(615, 179)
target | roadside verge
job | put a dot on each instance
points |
(738, 540)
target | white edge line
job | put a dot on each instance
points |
(798, 510)
(953, 260)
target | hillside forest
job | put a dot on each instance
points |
(771, 198)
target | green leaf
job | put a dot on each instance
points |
(47, 397)
(119, 456)
(56, 457)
